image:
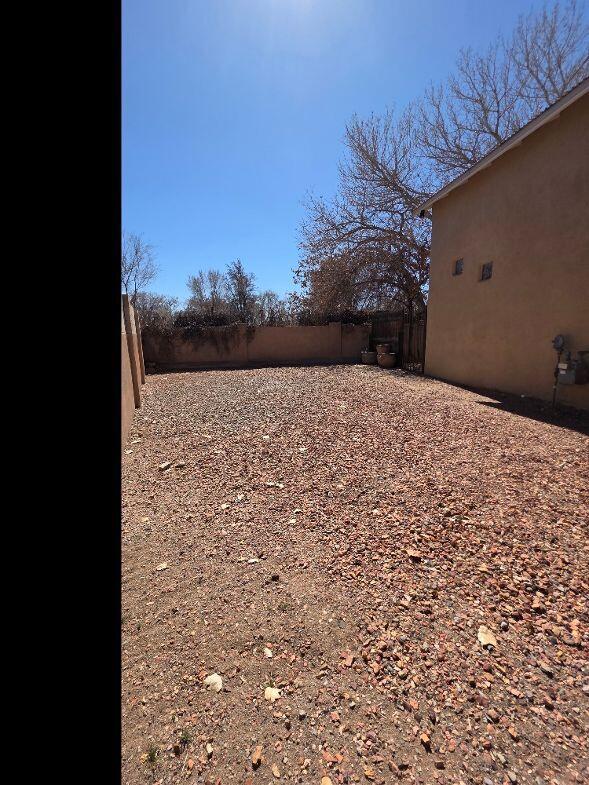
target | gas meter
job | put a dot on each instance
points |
(570, 371)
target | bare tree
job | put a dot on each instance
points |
(198, 295)
(271, 309)
(155, 310)
(208, 293)
(491, 95)
(217, 297)
(217, 284)
(477, 109)
(241, 291)
(365, 248)
(550, 51)
(138, 267)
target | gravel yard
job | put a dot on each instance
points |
(340, 535)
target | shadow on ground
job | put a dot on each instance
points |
(534, 409)
(162, 368)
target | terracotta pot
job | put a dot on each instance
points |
(369, 358)
(386, 360)
(383, 348)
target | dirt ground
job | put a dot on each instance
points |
(340, 535)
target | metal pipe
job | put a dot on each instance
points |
(554, 386)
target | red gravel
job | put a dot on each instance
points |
(360, 525)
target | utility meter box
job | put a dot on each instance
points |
(571, 372)
(566, 373)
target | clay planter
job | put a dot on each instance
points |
(386, 360)
(369, 358)
(383, 348)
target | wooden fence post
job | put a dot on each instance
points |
(133, 353)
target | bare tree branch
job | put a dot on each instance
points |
(138, 267)
(365, 246)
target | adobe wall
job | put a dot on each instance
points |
(218, 346)
(528, 213)
(240, 346)
(283, 345)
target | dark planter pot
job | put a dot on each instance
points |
(386, 360)
(369, 358)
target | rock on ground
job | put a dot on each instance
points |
(340, 535)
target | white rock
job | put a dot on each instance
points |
(214, 682)
(271, 694)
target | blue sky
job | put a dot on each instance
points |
(234, 109)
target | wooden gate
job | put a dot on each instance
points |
(406, 332)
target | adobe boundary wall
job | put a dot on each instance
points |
(239, 345)
(132, 366)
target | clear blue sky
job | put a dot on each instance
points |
(234, 109)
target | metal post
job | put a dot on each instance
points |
(555, 385)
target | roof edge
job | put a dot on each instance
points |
(549, 114)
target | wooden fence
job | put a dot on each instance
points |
(406, 332)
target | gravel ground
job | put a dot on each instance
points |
(340, 535)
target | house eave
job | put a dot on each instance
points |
(547, 116)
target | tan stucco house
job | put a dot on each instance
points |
(510, 261)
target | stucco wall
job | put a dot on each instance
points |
(240, 346)
(295, 344)
(528, 213)
(223, 347)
